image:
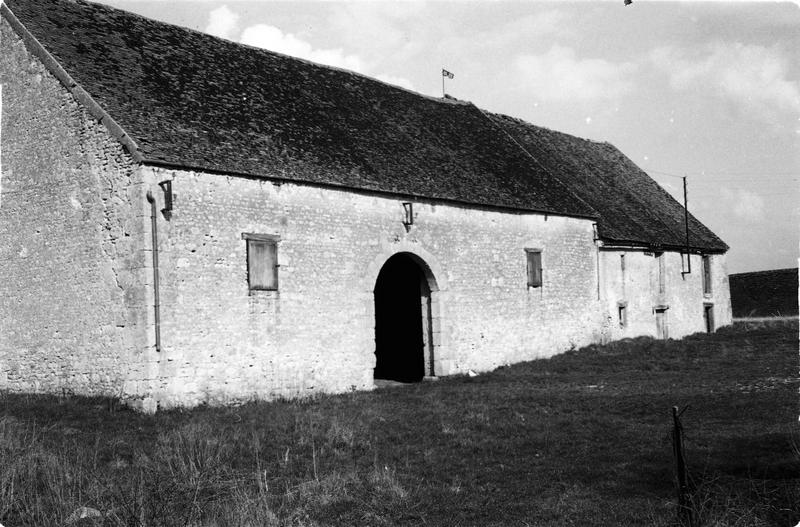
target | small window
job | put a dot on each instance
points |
(706, 275)
(622, 311)
(622, 268)
(534, 267)
(262, 261)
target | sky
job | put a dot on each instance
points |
(710, 90)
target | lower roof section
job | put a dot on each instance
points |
(633, 209)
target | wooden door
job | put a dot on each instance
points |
(708, 317)
(662, 325)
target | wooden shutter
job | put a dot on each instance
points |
(262, 264)
(706, 275)
(534, 268)
(662, 325)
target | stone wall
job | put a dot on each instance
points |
(316, 333)
(72, 317)
(638, 288)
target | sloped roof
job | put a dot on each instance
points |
(632, 208)
(192, 100)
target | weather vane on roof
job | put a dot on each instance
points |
(447, 74)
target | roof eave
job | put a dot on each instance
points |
(611, 244)
(160, 163)
(81, 95)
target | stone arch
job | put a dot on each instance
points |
(437, 279)
(432, 295)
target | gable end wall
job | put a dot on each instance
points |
(72, 228)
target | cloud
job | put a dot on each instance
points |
(560, 76)
(380, 29)
(752, 76)
(526, 32)
(746, 205)
(272, 38)
(222, 22)
(542, 24)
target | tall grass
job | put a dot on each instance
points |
(582, 438)
(193, 474)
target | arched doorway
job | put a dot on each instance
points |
(403, 339)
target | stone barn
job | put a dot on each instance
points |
(184, 219)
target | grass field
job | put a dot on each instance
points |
(580, 439)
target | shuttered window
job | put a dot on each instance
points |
(534, 257)
(622, 311)
(262, 261)
(707, 275)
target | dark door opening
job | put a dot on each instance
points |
(708, 317)
(399, 345)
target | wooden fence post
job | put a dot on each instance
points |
(684, 508)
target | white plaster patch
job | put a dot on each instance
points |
(73, 200)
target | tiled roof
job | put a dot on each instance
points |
(633, 209)
(189, 99)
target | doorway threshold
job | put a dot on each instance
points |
(389, 383)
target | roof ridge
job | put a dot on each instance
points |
(444, 100)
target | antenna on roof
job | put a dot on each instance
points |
(686, 224)
(447, 74)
